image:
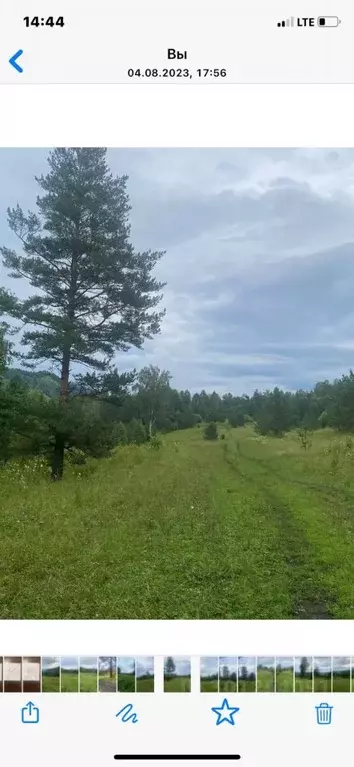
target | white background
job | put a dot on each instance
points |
(168, 116)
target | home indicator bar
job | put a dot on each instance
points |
(176, 757)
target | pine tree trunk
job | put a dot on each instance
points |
(58, 458)
(59, 445)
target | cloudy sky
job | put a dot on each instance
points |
(248, 662)
(50, 662)
(126, 665)
(88, 663)
(284, 663)
(259, 259)
(182, 664)
(70, 663)
(144, 666)
(266, 662)
(105, 662)
(209, 666)
(231, 664)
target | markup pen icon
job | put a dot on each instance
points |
(324, 713)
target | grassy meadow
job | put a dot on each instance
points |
(88, 680)
(243, 527)
(69, 681)
(50, 683)
(177, 684)
(145, 684)
(209, 685)
(284, 680)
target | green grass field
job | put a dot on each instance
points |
(145, 685)
(50, 683)
(178, 684)
(209, 685)
(322, 683)
(303, 684)
(227, 685)
(69, 681)
(284, 680)
(126, 682)
(246, 685)
(245, 527)
(265, 680)
(88, 681)
(341, 684)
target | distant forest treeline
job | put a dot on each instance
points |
(149, 404)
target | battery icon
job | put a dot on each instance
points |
(328, 21)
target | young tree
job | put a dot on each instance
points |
(244, 673)
(137, 432)
(14, 405)
(170, 667)
(120, 433)
(153, 391)
(111, 663)
(225, 672)
(93, 294)
(211, 431)
(304, 665)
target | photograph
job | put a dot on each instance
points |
(227, 674)
(31, 674)
(284, 674)
(341, 674)
(246, 674)
(107, 674)
(126, 672)
(265, 674)
(322, 674)
(145, 680)
(176, 367)
(13, 674)
(69, 674)
(51, 674)
(88, 674)
(209, 675)
(1, 674)
(303, 674)
(177, 674)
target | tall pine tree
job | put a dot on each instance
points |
(93, 294)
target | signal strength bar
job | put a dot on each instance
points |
(287, 22)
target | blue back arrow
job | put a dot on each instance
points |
(13, 60)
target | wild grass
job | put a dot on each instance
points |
(245, 527)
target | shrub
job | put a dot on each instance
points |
(304, 436)
(156, 442)
(76, 457)
(137, 432)
(120, 434)
(236, 419)
(211, 431)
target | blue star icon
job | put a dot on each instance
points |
(225, 712)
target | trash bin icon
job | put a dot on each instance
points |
(324, 713)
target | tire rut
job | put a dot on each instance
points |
(309, 600)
